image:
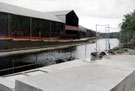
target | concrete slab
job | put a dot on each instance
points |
(115, 74)
(6, 85)
(43, 70)
(14, 77)
(64, 65)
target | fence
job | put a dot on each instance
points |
(127, 37)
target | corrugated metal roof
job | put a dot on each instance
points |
(61, 14)
(7, 8)
(64, 12)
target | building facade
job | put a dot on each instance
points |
(18, 22)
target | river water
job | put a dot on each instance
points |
(101, 46)
(53, 57)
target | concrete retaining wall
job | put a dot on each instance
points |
(6, 85)
(20, 86)
(4, 88)
(116, 74)
(16, 44)
(128, 84)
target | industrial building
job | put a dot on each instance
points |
(22, 23)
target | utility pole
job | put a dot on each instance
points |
(108, 37)
(85, 47)
(96, 37)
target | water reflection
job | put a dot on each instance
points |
(53, 57)
(101, 46)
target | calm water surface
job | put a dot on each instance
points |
(53, 57)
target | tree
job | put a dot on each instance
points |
(128, 28)
(129, 22)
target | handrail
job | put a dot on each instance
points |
(16, 67)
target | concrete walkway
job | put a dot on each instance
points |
(115, 74)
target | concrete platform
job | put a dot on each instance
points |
(7, 82)
(115, 74)
(6, 85)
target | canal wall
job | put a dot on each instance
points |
(15, 44)
(39, 46)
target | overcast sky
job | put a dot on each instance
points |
(90, 12)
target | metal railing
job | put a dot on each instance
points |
(13, 68)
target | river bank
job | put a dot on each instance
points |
(20, 44)
(123, 49)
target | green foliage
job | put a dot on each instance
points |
(126, 36)
(128, 28)
(129, 22)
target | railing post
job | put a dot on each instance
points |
(36, 61)
(70, 52)
(50, 30)
(96, 37)
(13, 64)
(109, 37)
(85, 51)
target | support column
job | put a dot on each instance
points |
(50, 29)
(30, 27)
(8, 25)
(63, 30)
